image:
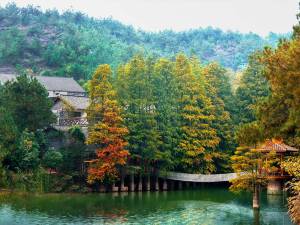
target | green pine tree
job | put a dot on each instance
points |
(197, 137)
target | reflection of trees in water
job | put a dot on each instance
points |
(114, 203)
(218, 206)
(275, 200)
(256, 217)
(64, 205)
(116, 215)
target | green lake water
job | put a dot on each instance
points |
(207, 205)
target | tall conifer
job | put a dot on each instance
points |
(197, 134)
(135, 79)
(106, 130)
(165, 92)
(219, 91)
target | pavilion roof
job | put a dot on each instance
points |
(276, 145)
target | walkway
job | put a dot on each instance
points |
(201, 178)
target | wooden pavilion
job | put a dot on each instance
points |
(276, 178)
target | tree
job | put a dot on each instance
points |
(246, 163)
(249, 163)
(26, 156)
(27, 110)
(8, 132)
(249, 134)
(27, 101)
(279, 115)
(165, 94)
(77, 43)
(135, 80)
(8, 136)
(106, 130)
(74, 153)
(252, 88)
(292, 166)
(12, 45)
(218, 89)
(197, 137)
(52, 159)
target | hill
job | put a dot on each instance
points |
(73, 44)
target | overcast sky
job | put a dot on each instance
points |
(259, 16)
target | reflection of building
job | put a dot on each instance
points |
(69, 99)
(276, 177)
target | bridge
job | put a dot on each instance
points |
(199, 178)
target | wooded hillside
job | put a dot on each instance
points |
(73, 44)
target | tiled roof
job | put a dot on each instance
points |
(79, 103)
(276, 145)
(60, 84)
(50, 83)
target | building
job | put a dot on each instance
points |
(55, 86)
(69, 98)
(276, 177)
(70, 111)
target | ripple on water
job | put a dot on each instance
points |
(197, 212)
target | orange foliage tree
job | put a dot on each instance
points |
(106, 130)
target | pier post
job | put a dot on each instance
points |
(179, 185)
(114, 188)
(165, 185)
(172, 185)
(194, 185)
(187, 184)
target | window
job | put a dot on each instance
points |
(75, 114)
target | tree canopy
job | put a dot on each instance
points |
(73, 44)
(106, 130)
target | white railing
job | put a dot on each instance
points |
(79, 121)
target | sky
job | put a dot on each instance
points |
(258, 16)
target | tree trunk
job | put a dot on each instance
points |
(123, 187)
(131, 187)
(148, 185)
(156, 183)
(140, 184)
(102, 188)
(114, 188)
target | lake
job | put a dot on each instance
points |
(209, 205)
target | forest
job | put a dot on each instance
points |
(73, 44)
(158, 101)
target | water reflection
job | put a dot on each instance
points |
(204, 206)
(276, 200)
